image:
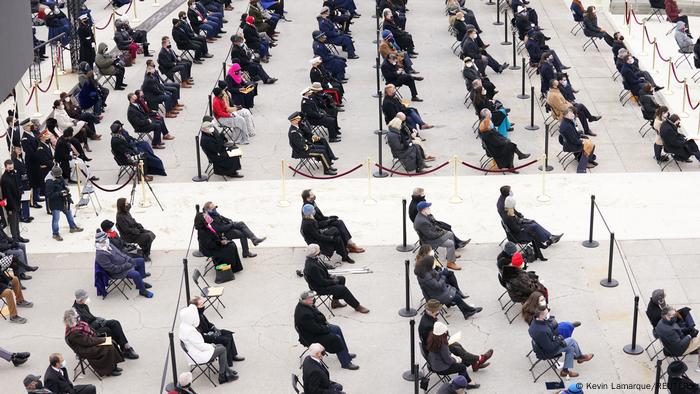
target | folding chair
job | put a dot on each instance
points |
(143, 136)
(442, 378)
(81, 366)
(205, 369)
(209, 293)
(319, 130)
(578, 26)
(120, 285)
(507, 310)
(591, 41)
(396, 164)
(645, 128)
(296, 384)
(551, 364)
(110, 80)
(656, 12)
(325, 300)
(684, 57)
(672, 160)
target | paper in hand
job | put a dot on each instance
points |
(454, 338)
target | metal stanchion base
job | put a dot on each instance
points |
(523, 96)
(197, 253)
(283, 203)
(498, 23)
(549, 168)
(633, 350)
(404, 248)
(456, 200)
(514, 67)
(506, 43)
(409, 376)
(490, 3)
(410, 312)
(380, 174)
(590, 244)
(605, 283)
(532, 127)
(376, 95)
(369, 201)
(382, 132)
(543, 198)
(199, 178)
(145, 204)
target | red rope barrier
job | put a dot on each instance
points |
(673, 68)
(53, 72)
(634, 15)
(109, 21)
(127, 9)
(500, 170)
(690, 102)
(3, 134)
(325, 177)
(416, 174)
(31, 94)
(646, 34)
(659, 53)
(110, 190)
(627, 13)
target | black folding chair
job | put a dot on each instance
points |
(206, 369)
(325, 300)
(211, 294)
(81, 366)
(120, 285)
(442, 378)
(551, 364)
(296, 384)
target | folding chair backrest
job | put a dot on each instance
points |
(196, 275)
(296, 383)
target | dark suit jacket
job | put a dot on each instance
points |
(57, 383)
(139, 119)
(389, 72)
(316, 377)
(10, 191)
(316, 274)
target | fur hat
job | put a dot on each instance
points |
(439, 328)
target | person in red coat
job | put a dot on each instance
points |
(240, 120)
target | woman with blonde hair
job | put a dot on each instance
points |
(403, 148)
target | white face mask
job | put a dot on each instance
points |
(546, 317)
(472, 36)
(64, 364)
(469, 64)
(543, 302)
(564, 82)
(483, 91)
(87, 301)
(67, 99)
(510, 193)
(431, 253)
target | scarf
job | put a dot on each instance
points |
(80, 328)
(232, 72)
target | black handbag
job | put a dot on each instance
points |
(223, 273)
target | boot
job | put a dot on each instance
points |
(453, 266)
(335, 304)
(565, 372)
(658, 153)
(362, 309)
(521, 155)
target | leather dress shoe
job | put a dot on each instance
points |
(351, 367)
(251, 255)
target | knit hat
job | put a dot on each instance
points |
(307, 210)
(509, 202)
(56, 172)
(574, 388)
(185, 379)
(433, 305)
(29, 379)
(207, 119)
(250, 20)
(324, 10)
(312, 250)
(386, 34)
(510, 248)
(459, 382)
(439, 328)
(422, 205)
(517, 260)
(81, 294)
(316, 87)
(677, 368)
(106, 225)
(100, 236)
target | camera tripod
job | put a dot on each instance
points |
(140, 174)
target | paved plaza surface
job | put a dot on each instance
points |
(651, 213)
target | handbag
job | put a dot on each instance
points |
(223, 273)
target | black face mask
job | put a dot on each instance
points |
(169, 46)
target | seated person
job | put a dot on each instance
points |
(320, 281)
(654, 312)
(572, 141)
(526, 229)
(131, 230)
(11, 291)
(434, 232)
(678, 382)
(242, 92)
(530, 309)
(450, 278)
(234, 117)
(332, 86)
(333, 63)
(392, 105)
(198, 350)
(633, 81)
(397, 76)
(676, 143)
(85, 343)
(312, 327)
(416, 138)
(434, 285)
(17, 359)
(461, 24)
(232, 230)
(458, 385)
(683, 39)
(328, 238)
(202, 22)
(470, 74)
(18, 251)
(141, 121)
(305, 143)
(139, 36)
(127, 150)
(531, 12)
(249, 61)
(309, 197)
(110, 65)
(648, 102)
(520, 283)
(389, 46)
(506, 256)
(156, 93)
(256, 40)
(132, 250)
(411, 155)
(536, 47)
(481, 101)
(472, 49)
(591, 28)
(440, 359)
(426, 325)
(634, 67)
(91, 95)
(500, 148)
(185, 39)
(214, 335)
(315, 373)
(103, 327)
(547, 343)
(676, 342)
(170, 63)
(577, 10)
(124, 41)
(334, 35)
(119, 265)
(56, 379)
(403, 38)
(216, 147)
(214, 245)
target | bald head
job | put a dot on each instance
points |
(316, 350)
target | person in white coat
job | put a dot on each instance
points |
(198, 350)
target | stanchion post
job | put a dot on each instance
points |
(173, 362)
(186, 273)
(199, 177)
(404, 247)
(683, 113)
(135, 19)
(196, 252)
(609, 281)
(522, 94)
(114, 20)
(36, 114)
(407, 311)
(57, 91)
(514, 63)
(209, 106)
(155, 3)
(590, 243)
(380, 173)
(283, 199)
(498, 13)
(413, 373)
(505, 27)
(633, 348)
(416, 369)
(546, 165)
(644, 28)
(543, 197)
(532, 126)
(378, 93)
(669, 90)
(369, 200)
(657, 381)
(653, 56)
(144, 203)
(455, 199)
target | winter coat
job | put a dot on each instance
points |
(685, 43)
(312, 327)
(672, 337)
(548, 343)
(435, 286)
(198, 350)
(115, 262)
(102, 358)
(105, 61)
(403, 149)
(521, 283)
